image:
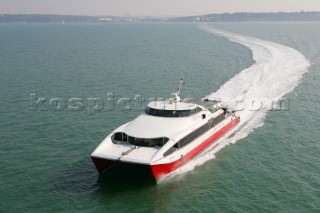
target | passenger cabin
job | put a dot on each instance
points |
(165, 109)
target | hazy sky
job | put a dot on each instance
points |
(154, 7)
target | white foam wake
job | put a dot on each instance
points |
(277, 71)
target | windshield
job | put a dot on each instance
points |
(120, 137)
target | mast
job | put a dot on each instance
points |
(175, 95)
(180, 85)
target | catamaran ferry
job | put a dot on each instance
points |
(166, 135)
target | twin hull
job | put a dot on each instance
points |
(178, 158)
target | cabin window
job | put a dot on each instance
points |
(198, 109)
(176, 145)
(218, 119)
(202, 130)
(148, 142)
(192, 111)
(210, 123)
(170, 151)
(119, 137)
(186, 140)
(195, 111)
(184, 113)
(214, 121)
(169, 113)
(192, 136)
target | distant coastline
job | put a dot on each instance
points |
(252, 17)
(222, 17)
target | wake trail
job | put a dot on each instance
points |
(277, 70)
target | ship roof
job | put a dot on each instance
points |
(146, 126)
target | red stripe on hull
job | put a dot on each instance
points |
(102, 164)
(163, 169)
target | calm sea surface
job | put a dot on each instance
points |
(45, 146)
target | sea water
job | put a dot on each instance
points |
(269, 163)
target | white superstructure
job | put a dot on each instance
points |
(167, 135)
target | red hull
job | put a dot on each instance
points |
(163, 169)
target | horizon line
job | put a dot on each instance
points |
(164, 16)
